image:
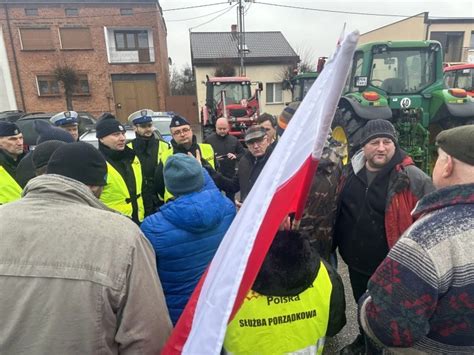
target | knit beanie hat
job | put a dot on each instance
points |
(183, 174)
(376, 129)
(47, 132)
(108, 125)
(42, 153)
(458, 142)
(286, 116)
(8, 129)
(79, 161)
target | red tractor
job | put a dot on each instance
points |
(230, 97)
(460, 76)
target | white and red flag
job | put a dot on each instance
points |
(281, 188)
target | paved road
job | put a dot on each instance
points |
(351, 329)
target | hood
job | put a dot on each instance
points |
(199, 211)
(290, 266)
(445, 197)
(52, 186)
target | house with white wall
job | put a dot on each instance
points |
(267, 56)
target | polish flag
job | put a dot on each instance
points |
(281, 188)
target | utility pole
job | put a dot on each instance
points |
(241, 46)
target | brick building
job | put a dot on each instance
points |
(117, 47)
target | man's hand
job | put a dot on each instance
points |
(231, 156)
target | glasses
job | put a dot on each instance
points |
(267, 129)
(181, 131)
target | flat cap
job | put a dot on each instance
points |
(65, 118)
(254, 132)
(458, 142)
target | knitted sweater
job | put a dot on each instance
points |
(422, 296)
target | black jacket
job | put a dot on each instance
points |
(25, 170)
(122, 162)
(222, 146)
(146, 150)
(360, 223)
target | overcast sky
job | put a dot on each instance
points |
(310, 33)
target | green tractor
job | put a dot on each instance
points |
(401, 81)
(302, 82)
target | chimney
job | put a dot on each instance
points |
(233, 28)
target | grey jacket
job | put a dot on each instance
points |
(76, 278)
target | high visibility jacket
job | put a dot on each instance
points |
(162, 147)
(9, 188)
(116, 194)
(282, 324)
(207, 153)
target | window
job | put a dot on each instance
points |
(36, 39)
(82, 87)
(75, 38)
(126, 12)
(274, 93)
(131, 40)
(47, 85)
(72, 12)
(472, 40)
(31, 12)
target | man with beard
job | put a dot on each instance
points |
(11, 152)
(149, 149)
(184, 141)
(123, 191)
(378, 191)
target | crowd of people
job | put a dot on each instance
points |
(102, 248)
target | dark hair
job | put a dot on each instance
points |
(267, 117)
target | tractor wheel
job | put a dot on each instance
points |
(346, 129)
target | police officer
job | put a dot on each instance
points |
(123, 191)
(11, 152)
(184, 141)
(149, 149)
(68, 121)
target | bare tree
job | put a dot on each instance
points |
(68, 77)
(306, 64)
(224, 67)
(182, 82)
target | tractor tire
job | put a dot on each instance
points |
(347, 129)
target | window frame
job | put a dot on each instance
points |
(274, 84)
(51, 80)
(76, 47)
(34, 11)
(77, 89)
(36, 30)
(135, 34)
(126, 11)
(71, 9)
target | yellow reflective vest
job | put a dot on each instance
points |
(116, 195)
(162, 147)
(282, 324)
(9, 188)
(207, 153)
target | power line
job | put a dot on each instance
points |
(196, 6)
(332, 11)
(193, 18)
(212, 19)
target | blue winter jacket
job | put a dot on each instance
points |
(185, 234)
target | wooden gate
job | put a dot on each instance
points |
(133, 92)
